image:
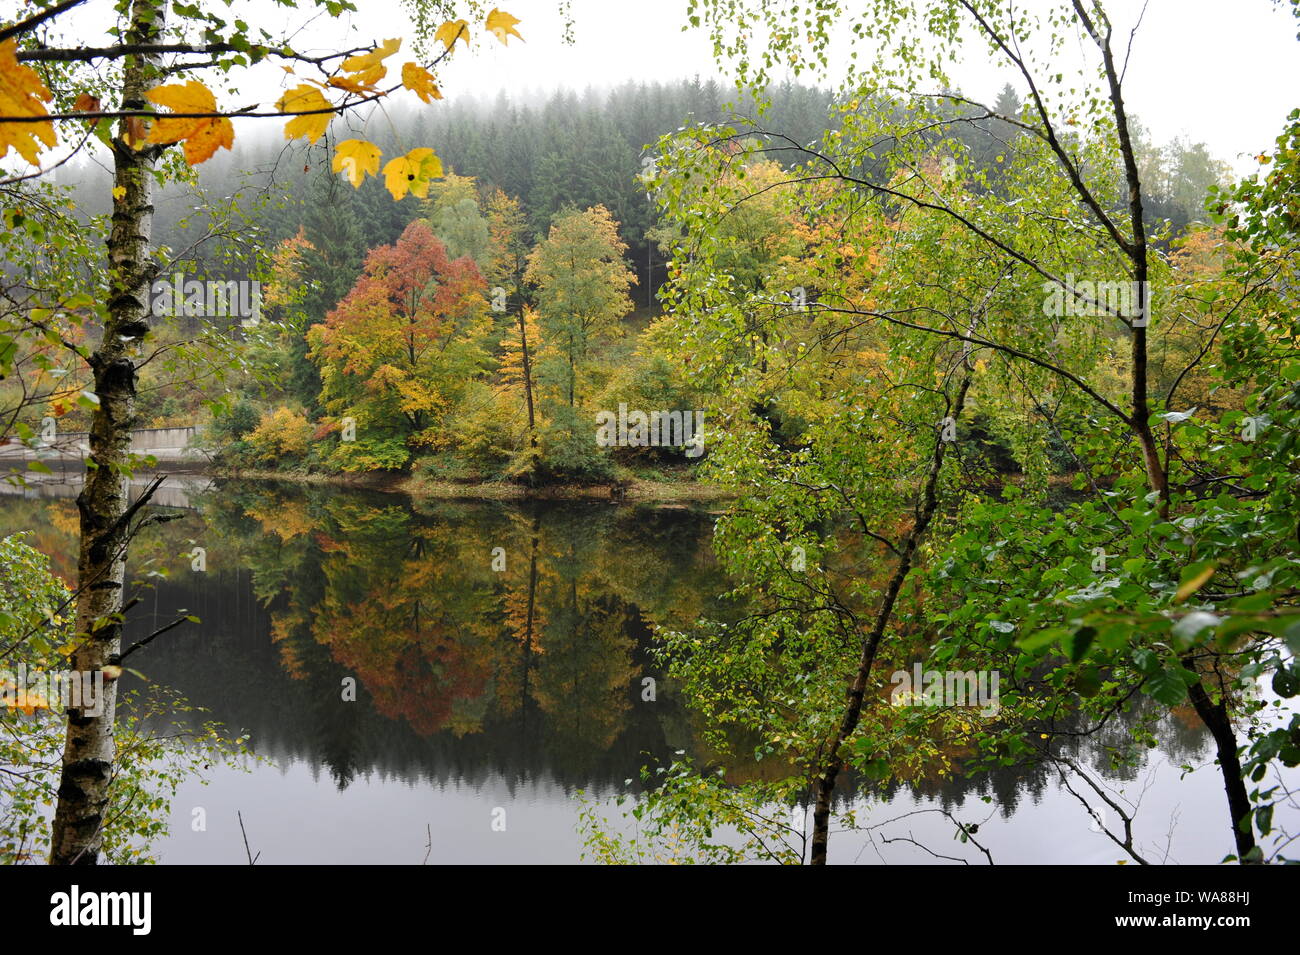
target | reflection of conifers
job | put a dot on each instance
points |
(407, 603)
(559, 697)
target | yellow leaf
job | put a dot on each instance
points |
(360, 82)
(357, 157)
(365, 61)
(193, 97)
(22, 94)
(1193, 585)
(206, 140)
(119, 192)
(305, 99)
(451, 31)
(502, 25)
(412, 173)
(202, 134)
(420, 81)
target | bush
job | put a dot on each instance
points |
(236, 423)
(569, 450)
(281, 433)
(486, 431)
(375, 454)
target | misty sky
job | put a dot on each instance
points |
(1225, 72)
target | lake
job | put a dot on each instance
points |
(447, 680)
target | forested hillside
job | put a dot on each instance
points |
(280, 211)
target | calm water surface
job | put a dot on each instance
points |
(489, 693)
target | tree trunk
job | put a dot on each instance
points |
(1215, 716)
(925, 509)
(528, 397)
(1219, 723)
(89, 750)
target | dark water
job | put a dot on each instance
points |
(500, 655)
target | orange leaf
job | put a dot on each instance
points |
(86, 104)
(202, 134)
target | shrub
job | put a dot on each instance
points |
(281, 433)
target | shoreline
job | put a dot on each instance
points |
(631, 491)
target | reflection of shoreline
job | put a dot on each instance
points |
(533, 671)
(68, 466)
(414, 486)
(309, 585)
(176, 491)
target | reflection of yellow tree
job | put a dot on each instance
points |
(53, 528)
(583, 681)
(524, 621)
(407, 626)
(286, 519)
(285, 625)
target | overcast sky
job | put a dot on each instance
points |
(1224, 72)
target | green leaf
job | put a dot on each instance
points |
(1286, 681)
(1080, 641)
(1166, 686)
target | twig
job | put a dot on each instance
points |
(252, 859)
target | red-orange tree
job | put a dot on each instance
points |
(396, 353)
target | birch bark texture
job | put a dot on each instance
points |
(104, 506)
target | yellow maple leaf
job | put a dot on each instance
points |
(192, 97)
(502, 25)
(305, 99)
(365, 61)
(199, 147)
(356, 157)
(202, 134)
(360, 82)
(22, 94)
(412, 173)
(62, 405)
(451, 31)
(420, 81)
